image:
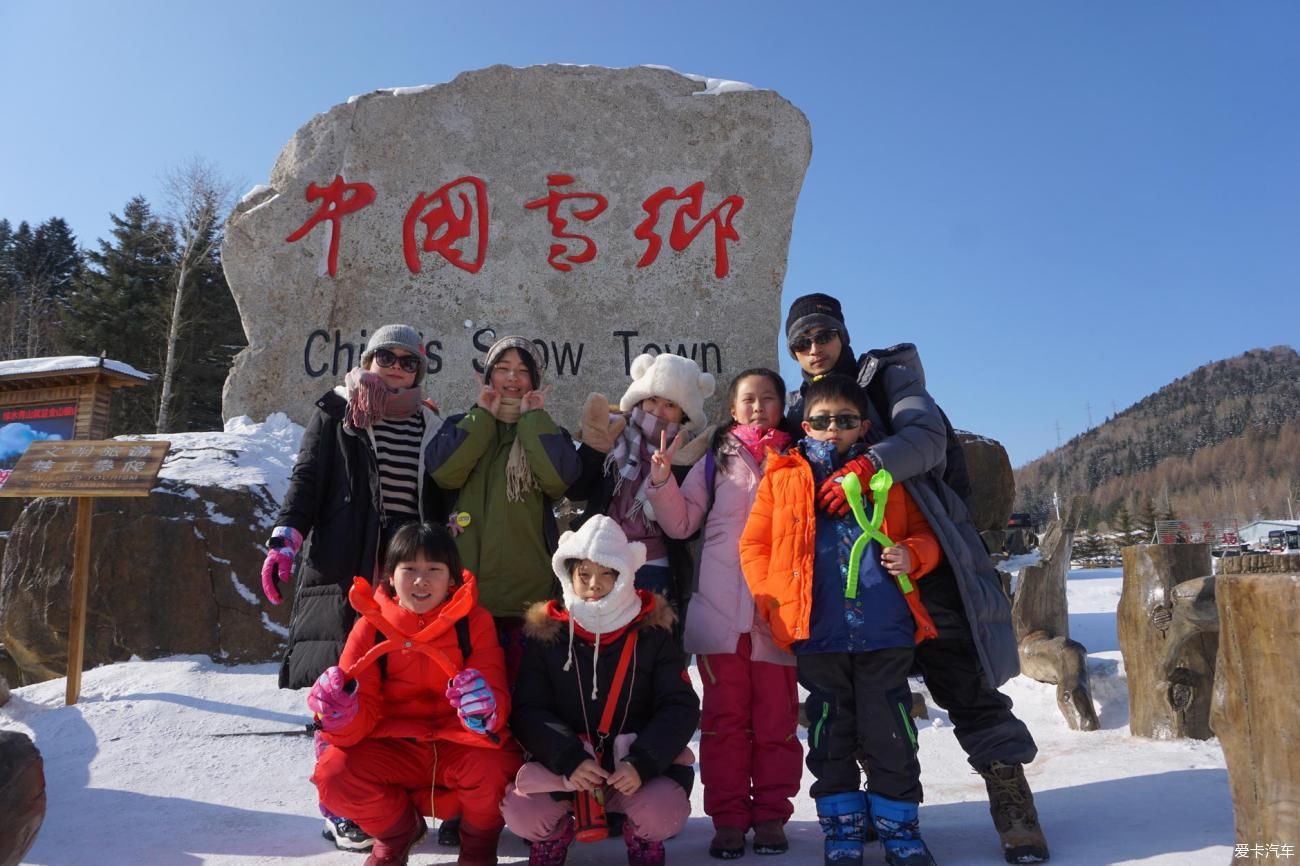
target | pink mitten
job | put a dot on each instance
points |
(473, 699)
(334, 704)
(278, 567)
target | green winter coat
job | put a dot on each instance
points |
(507, 545)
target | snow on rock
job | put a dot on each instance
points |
(246, 454)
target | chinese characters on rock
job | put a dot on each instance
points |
(455, 221)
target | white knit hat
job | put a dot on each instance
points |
(671, 377)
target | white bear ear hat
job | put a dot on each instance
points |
(602, 541)
(674, 378)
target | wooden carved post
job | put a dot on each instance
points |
(1257, 702)
(1169, 666)
(1041, 617)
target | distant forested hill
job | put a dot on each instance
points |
(1221, 443)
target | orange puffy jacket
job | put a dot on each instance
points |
(777, 548)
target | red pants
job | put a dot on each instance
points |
(373, 781)
(751, 761)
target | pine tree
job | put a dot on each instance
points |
(1126, 533)
(37, 272)
(1147, 517)
(117, 309)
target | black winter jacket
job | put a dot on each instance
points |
(552, 706)
(334, 501)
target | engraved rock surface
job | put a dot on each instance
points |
(457, 231)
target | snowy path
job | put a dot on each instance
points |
(134, 779)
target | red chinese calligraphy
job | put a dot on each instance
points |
(445, 226)
(680, 237)
(552, 204)
(337, 201)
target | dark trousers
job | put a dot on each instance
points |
(858, 705)
(981, 716)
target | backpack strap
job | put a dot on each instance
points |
(462, 638)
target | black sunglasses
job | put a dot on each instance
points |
(844, 422)
(821, 338)
(385, 359)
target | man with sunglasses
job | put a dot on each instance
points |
(976, 649)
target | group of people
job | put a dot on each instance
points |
(467, 661)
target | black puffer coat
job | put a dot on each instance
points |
(334, 501)
(657, 702)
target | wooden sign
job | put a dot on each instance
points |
(109, 467)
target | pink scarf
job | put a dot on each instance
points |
(369, 399)
(757, 440)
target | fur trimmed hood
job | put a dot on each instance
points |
(546, 621)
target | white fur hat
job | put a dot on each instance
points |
(601, 540)
(673, 378)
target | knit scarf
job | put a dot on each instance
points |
(757, 440)
(630, 460)
(519, 474)
(369, 400)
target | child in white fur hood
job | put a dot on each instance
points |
(603, 704)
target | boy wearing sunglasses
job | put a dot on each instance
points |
(976, 649)
(852, 634)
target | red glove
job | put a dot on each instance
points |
(831, 498)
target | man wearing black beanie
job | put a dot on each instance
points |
(976, 649)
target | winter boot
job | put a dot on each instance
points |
(896, 823)
(478, 847)
(393, 846)
(449, 833)
(769, 837)
(642, 852)
(1012, 806)
(346, 835)
(728, 843)
(842, 817)
(553, 851)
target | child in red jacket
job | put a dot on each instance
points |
(414, 713)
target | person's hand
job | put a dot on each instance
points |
(490, 399)
(599, 429)
(278, 568)
(625, 780)
(473, 698)
(332, 699)
(661, 462)
(896, 560)
(534, 399)
(589, 776)
(830, 496)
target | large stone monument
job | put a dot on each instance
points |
(601, 212)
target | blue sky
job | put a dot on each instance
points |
(1065, 205)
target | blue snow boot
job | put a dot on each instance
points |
(843, 818)
(897, 824)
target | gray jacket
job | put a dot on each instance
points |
(914, 453)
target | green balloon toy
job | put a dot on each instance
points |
(879, 484)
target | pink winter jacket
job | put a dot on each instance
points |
(721, 609)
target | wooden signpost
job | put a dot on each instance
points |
(84, 470)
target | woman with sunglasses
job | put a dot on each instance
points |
(360, 475)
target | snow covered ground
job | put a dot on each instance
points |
(135, 776)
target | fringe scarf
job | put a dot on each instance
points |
(369, 400)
